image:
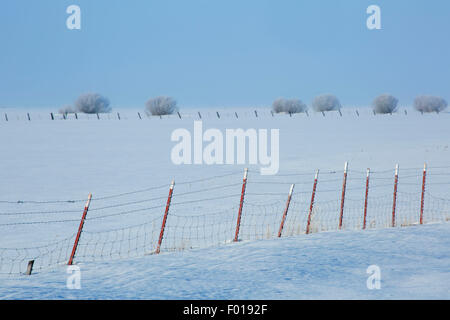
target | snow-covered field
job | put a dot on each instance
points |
(414, 264)
(43, 161)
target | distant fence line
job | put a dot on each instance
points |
(221, 210)
(194, 114)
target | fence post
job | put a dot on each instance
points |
(51, 116)
(218, 115)
(422, 199)
(179, 115)
(28, 115)
(286, 210)
(166, 212)
(30, 267)
(394, 204)
(344, 185)
(312, 202)
(256, 114)
(235, 113)
(80, 229)
(241, 204)
(199, 115)
(366, 198)
(6, 116)
(76, 116)
(118, 115)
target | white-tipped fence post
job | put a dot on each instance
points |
(241, 204)
(311, 206)
(366, 198)
(283, 219)
(422, 199)
(394, 202)
(344, 185)
(166, 213)
(80, 229)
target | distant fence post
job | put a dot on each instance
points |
(76, 116)
(80, 229)
(241, 204)
(51, 116)
(307, 114)
(28, 115)
(6, 116)
(118, 115)
(311, 206)
(422, 199)
(340, 113)
(283, 219)
(366, 198)
(235, 113)
(394, 204)
(218, 115)
(357, 113)
(139, 115)
(344, 185)
(98, 117)
(199, 115)
(179, 115)
(166, 212)
(256, 114)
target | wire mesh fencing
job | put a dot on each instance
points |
(216, 211)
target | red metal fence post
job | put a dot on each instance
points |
(80, 229)
(394, 204)
(312, 202)
(344, 185)
(166, 212)
(286, 210)
(422, 199)
(241, 204)
(366, 198)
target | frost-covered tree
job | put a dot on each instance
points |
(429, 104)
(161, 106)
(326, 102)
(92, 103)
(289, 106)
(385, 103)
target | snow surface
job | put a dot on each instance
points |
(414, 264)
(68, 159)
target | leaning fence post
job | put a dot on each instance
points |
(30, 267)
(80, 229)
(286, 210)
(218, 115)
(312, 202)
(241, 204)
(51, 116)
(344, 185)
(199, 115)
(422, 199)
(166, 212)
(366, 198)
(394, 204)
(139, 115)
(6, 116)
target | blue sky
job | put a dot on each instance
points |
(222, 53)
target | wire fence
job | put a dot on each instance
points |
(217, 211)
(13, 116)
